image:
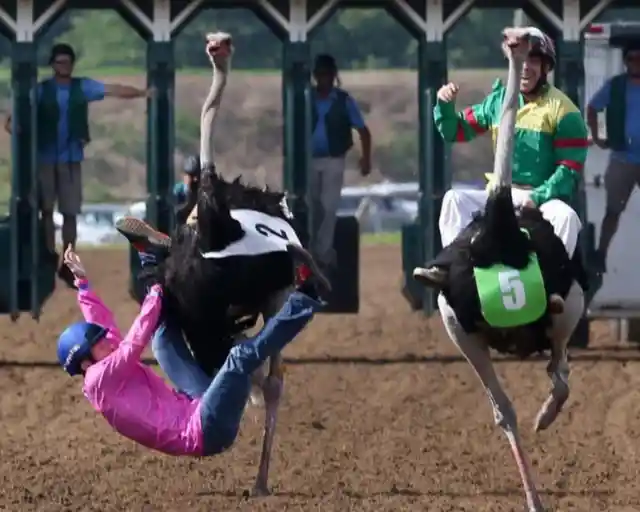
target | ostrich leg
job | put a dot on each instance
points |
(558, 369)
(476, 352)
(272, 388)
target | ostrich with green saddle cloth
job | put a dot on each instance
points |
(511, 285)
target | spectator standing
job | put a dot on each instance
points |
(62, 134)
(334, 115)
(620, 98)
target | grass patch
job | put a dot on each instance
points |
(116, 246)
(391, 238)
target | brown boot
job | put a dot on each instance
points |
(142, 236)
(433, 277)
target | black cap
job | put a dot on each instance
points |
(62, 49)
(192, 166)
(325, 61)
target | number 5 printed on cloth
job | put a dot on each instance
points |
(509, 296)
(513, 294)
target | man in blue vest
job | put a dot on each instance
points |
(620, 97)
(334, 115)
(63, 132)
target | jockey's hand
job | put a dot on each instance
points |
(72, 260)
(448, 93)
(529, 204)
(219, 48)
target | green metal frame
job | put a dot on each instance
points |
(297, 129)
(160, 135)
(24, 223)
(434, 178)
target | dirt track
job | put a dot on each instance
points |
(405, 429)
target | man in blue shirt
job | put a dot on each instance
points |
(623, 172)
(63, 132)
(334, 115)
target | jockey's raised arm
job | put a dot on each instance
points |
(466, 125)
(219, 50)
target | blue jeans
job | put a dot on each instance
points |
(170, 348)
(176, 361)
(224, 402)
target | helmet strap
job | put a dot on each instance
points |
(542, 82)
(89, 358)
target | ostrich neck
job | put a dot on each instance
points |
(210, 109)
(502, 168)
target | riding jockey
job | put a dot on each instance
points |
(137, 402)
(549, 154)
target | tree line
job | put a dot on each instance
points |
(348, 35)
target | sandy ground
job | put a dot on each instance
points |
(380, 414)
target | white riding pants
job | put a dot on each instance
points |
(459, 205)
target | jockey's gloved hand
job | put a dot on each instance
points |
(148, 259)
(152, 256)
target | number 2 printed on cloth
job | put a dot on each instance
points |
(263, 234)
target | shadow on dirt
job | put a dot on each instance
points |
(613, 354)
(397, 491)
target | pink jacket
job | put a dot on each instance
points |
(135, 401)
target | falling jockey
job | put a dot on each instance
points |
(137, 402)
(174, 355)
(549, 154)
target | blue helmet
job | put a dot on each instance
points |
(75, 343)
